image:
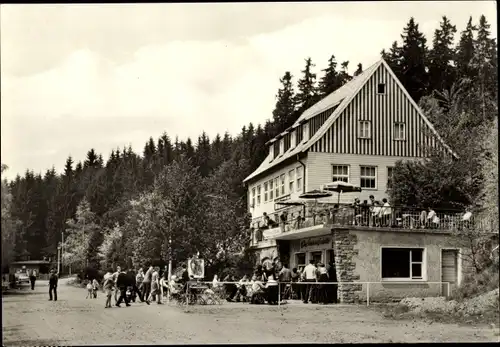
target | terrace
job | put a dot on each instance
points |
(317, 219)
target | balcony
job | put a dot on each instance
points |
(327, 215)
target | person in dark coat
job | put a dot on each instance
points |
(32, 279)
(132, 283)
(53, 279)
(332, 277)
(121, 283)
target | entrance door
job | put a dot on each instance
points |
(449, 269)
(330, 256)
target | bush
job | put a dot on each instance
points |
(477, 284)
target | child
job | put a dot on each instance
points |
(95, 288)
(90, 290)
(108, 288)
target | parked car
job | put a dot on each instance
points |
(22, 278)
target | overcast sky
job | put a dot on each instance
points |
(75, 77)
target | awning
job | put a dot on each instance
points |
(316, 230)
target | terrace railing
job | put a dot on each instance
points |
(402, 217)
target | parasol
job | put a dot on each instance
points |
(341, 187)
(315, 194)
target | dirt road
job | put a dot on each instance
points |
(30, 319)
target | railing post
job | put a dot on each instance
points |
(279, 293)
(187, 294)
(368, 294)
(449, 292)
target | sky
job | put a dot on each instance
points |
(75, 77)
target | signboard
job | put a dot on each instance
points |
(269, 233)
(196, 268)
(315, 242)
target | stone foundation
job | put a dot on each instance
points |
(343, 246)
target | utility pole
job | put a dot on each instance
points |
(58, 259)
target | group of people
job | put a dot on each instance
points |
(277, 282)
(125, 285)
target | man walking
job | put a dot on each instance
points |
(146, 283)
(32, 278)
(131, 279)
(53, 279)
(121, 284)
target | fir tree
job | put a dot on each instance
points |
(359, 70)
(414, 74)
(330, 80)
(442, 57)
(91, 160)
(465, 51)
(307, 93)
(285, 104)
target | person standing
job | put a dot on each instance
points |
(53, 279)
(155, 285)
(285, 277)
(115, 279)
(32, 278)
(121, 284)
(108, 288)
(146, 283)
(132, 282)
(309, 276)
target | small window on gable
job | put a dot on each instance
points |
(364, 129)
(399, 131)
(381, 88)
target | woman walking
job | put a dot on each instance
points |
(155, 286)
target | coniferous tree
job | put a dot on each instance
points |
(307, 92)
(285, 104)
(414, 74)
(344, 76)
(202, 155)
(442, 72)
(91, 160)
(465, 51)
(394, 58)
(359, 70)
(331, 79)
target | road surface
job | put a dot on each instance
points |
(29, 319)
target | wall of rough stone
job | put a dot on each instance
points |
(345, 250)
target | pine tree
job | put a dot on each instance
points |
(344, 76)
(285, 104)
(414, 74)
(307, 93)
(91, 160)
(330, 80)
(68, 169)
(442, 72)
(202, 155)
(393, 58)
(359, 70)
(465, 51)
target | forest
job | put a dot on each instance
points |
(182, 197)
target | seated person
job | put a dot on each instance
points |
(432, 218)
(258, 292)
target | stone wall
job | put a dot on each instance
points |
(344, 243)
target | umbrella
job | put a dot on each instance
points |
(341, 187)
(315, 194)
(293, 202)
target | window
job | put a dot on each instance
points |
(368, 177)
(276, 148)
(265, 191)
(399, 131)
(381, 88)
(402, 263)
(277, 188)
(288, 141)
(317, 257)
(258, 195)
(299, 179)
(291, 180)
(253, 198)
(340, 173)
(300, 260)
(282, 177)
(299, 133)
(389, 177)
(364, 129)
(271, 190)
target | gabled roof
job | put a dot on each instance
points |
(341, 97)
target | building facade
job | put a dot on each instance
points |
(355, 134)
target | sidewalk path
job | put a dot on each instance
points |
(29, 319)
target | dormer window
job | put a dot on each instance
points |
(271, 153)
(276, 149)
(293, 138)
(287, 140)
(381, 88)
(305, 133)
(282, 146)
(299, 134)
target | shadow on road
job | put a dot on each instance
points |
(35, 342)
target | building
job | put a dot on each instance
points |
(355, 134)
(42, 267)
